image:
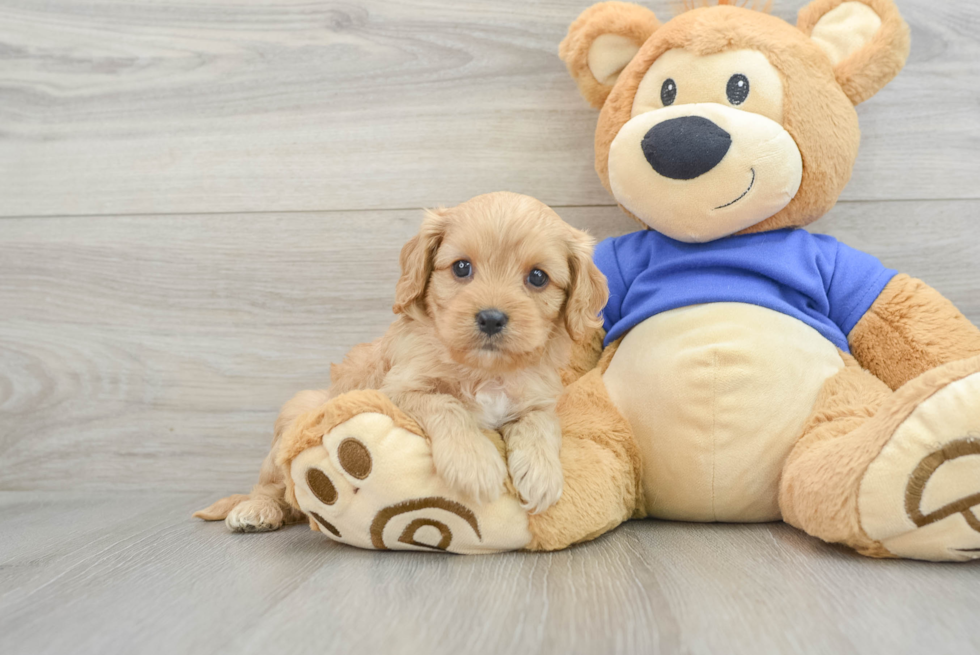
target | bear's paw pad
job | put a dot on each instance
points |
(372, 484)
(921, 496)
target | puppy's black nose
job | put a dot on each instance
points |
(491, 321)
(685, 148)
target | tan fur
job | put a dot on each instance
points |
(602, 467)
(819, 97)
(910, 329)
(817, 114)
(439, 362)
(621, 18)
(598, 453)
(818, 488)
(441, 370)
(870, 68)
(908, 341)
(584, 357)
(220, 508)
(912, 340)
(854, 418)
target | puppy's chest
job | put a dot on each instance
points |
(494, 408)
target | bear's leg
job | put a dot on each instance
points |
(361, 470)
(601, 465)
(891, 474)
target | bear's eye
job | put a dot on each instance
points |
(738, 89)
(668, 92)
(462, 269)
(537, 278)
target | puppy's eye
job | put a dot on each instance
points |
(668, 92)
(738, 89)
(537, 278)
(462, 269)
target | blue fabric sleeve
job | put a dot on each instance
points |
(858, 279)
(605, 259)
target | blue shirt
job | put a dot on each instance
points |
(811, 277)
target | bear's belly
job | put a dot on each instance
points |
(717, 395)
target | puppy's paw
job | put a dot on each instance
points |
(258, 514)
(536, 473)
(470, 464)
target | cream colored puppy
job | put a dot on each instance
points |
(492, 295)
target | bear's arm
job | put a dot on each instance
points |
(911, 328)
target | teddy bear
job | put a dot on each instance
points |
(747, 370)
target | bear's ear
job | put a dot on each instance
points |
(866, 40)
(601, 42)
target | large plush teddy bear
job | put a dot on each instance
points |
(750, 371)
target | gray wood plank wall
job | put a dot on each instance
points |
(201, 204)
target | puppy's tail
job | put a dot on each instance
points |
(304, 401)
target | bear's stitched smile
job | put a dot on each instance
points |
(744, 193)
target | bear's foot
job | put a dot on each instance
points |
(920, 497)
(363, 473)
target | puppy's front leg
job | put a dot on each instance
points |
(533, 446)
(463, 456)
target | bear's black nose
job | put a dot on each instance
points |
(685, 148)
(491, 321)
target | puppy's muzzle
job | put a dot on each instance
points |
(491, 321)
(685, 148)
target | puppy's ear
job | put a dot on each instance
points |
(867, 42)
(601, 42)
(416, 262)
(587, 291)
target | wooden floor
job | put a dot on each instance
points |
(201, 206)
(110, 573)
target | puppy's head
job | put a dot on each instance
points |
(501, 277)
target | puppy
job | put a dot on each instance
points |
(492, 295)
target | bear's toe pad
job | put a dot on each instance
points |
(371, 483)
